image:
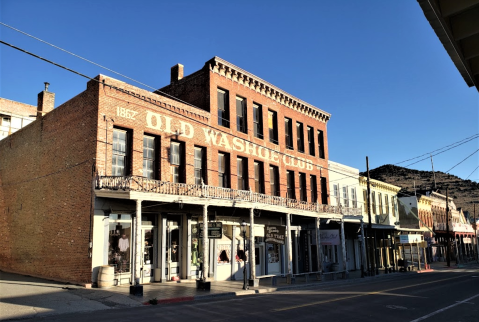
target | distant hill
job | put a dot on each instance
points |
(464, 192)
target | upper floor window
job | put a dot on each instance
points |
(121, 153)
(223, 170)
(314, 188)
(373, 202)
(386, 203)
(150, 161)
(258, 120)
(321, 144)
(274, 180)
(200, 165)
(311, 141)
(380, 199)
(365, 198)
(300, 136)
(353, 197)
(288, 133)
(258, 177)
(345, 197)
(324, 191)
(241, 117)
(302, 187)
(273, 126)
(290, 189)
(177, 162)
(242, 173)
(336, 193)
(223, 108)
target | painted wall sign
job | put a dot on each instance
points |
(275, 234)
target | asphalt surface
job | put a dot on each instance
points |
(442, 295)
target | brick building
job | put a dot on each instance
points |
(124, 177)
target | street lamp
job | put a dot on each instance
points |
(245, 280)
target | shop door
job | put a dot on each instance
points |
(259, 259)
(173, 250)
(148, 251)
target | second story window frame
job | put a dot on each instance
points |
(354, 198)
(373, 202)
(258, 121)
(242, 173)
(300, 136)
(336, 193)
(345, 197)
(303, 196)
(258, 177)
(177, 162)
(380, 203)
(324, 190)
(150, 156)
(313, 187)
(386, 203)
(290, 187)
(273, 126)
(274, 180)
(311, 144)
(200, 165)
(121, 153)
(223, 108)
(288, 133)
(223, 170)
(241, 115)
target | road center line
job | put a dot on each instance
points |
(444, 309)
(364, 294)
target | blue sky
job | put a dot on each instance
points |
(376, 66)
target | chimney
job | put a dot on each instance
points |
(46, 102)
(176, 73)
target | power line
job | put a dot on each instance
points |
(428, 153)
(463, 160)
(472, 172)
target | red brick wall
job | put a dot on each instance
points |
(45, 193)
(17, 108)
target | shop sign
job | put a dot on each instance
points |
(275, 234)
(215, 230)
(408, 239)
(330, 237)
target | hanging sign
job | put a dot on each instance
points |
(330, 237)
(275, 234)
(215, 230)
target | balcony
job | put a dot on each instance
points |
(211, 193)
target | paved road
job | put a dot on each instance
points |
(437, 296)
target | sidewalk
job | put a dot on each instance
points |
(29, 297)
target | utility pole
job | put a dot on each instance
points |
(372, 248)
(448, 245)
(433, 173)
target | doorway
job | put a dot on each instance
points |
(147, 251)
(173, 250)
(259, 259)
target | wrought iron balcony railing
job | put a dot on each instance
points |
(141, 184)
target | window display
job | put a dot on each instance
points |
(224, 254)
(119, 242)
(273, 253)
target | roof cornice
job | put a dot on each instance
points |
(236, 74)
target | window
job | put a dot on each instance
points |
(258, 177)
(290, 191)
(273, 126)
(177, 162)
(345, 197)
(320, 144)
(200, 165)
(314, 188)
(223, 170)
(386, 202)
(258, 120)
(373, 202)
(394, 205)
(324, 191)
(336, 193)
(353, 198)
(241, 117)
(288, 133)
(242, 173)
(149, 157)
(223, 108)
(302, 187)
(121, 153)
(311, 141)
(365, 198)
(380, 199)
(274, 180)
(300, 136)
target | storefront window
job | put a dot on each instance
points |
(241, 255)
(119, 242)
(148, 253)
(224, 254)
(195, 245)
(273, 253)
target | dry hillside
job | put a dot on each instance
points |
(464, 192)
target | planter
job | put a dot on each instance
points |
(203, 285)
